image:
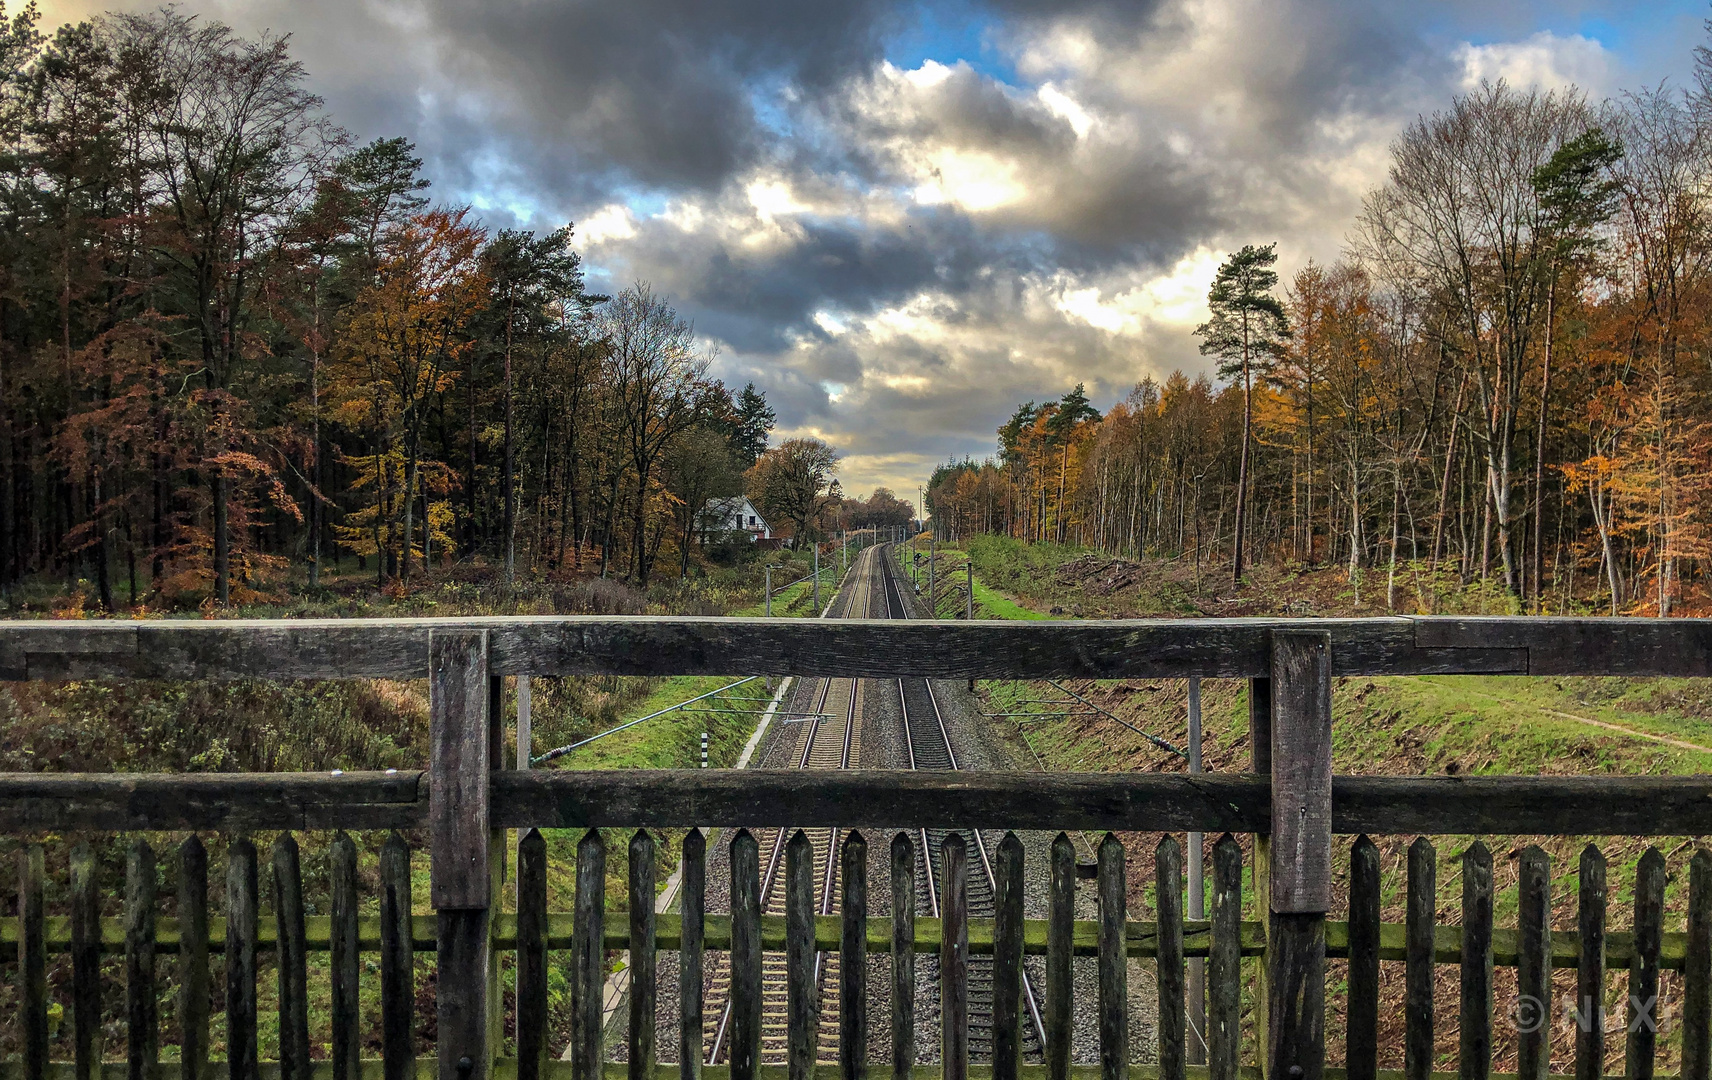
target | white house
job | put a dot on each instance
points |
(734, 514)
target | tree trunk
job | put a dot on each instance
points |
(222, 545)
(1242, 467)
(507, 482)
(1540, 449)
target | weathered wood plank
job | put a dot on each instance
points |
(1361, 1041)
(744, 1054)
(845, 648)
(1697, 972)
(397, 962)
(1300, 854)
(853, 959)
(1060, 934)
(802, 1020)
(1111, 883)
(345, 959)
(292, 959)
(142, 1022)
(1301, 773)
(195, 986)
(954, 957)
(1590, 966)
(532, 1015)
(1260, 724)
(1475, 1029)
(1140, 938)
(692, 910)
(131, 802)
(1140, 802)
(1224, 968)
(644, 972)
(582, 645)
(1532, 1014)
(903, 956)
(1573, 646)
(1168, 882)
(1296, 995)
(1155, 802)
(1640, 1053)
(942, 799)
(459, 765)
(588, 959)
(1421, 913)
(32, 962)
(85, 962)
(242, 914)
(1007, 958)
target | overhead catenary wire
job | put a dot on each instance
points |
(561, 751)
(1154, 739)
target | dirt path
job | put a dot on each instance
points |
(1591, 722)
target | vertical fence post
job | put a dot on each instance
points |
(525, 723)
(1197, 975)
(1301, 854)
(461, 878)
(769, 587)
(1260, 762)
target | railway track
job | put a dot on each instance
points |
(831, 738)
(928, 743)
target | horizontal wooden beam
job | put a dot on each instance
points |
(427, 1068)
(671, 798)
(224, 802)
(644, 645)
(1153, 802)
(1573, 646)
(1140, 937)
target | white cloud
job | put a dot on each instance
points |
(610, 223)
(1543, 60)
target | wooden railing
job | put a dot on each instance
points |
(1290, 803)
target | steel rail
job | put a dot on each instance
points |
(781, 838)
(980, 841)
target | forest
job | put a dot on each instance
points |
(239, 350)
(1503, 384)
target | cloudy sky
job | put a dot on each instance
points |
(902, 219)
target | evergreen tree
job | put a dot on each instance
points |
(751, 425)
(1247, 332)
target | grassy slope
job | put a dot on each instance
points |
(366, 725)
(1400, 725)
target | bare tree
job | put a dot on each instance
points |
(658, 380)
(1461, 203)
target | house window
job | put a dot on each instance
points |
(751, 521)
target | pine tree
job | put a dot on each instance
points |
(1247, 332)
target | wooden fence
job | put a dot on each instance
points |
(1290, 803)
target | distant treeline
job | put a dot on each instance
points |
(1507, 379)
(235, 346)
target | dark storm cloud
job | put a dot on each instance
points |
(658, 92)
(1179, 129)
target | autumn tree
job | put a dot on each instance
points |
(795, 482)
(400, 351)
